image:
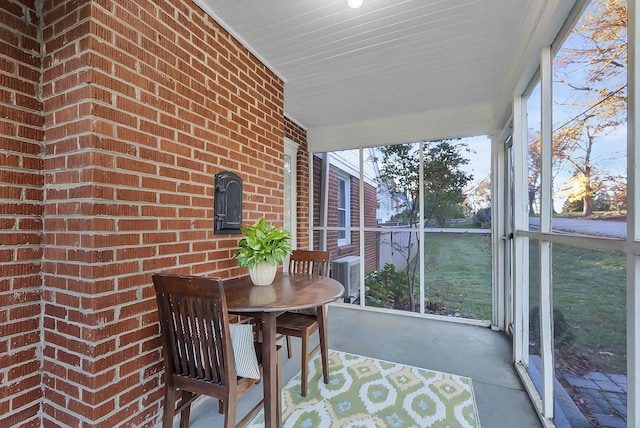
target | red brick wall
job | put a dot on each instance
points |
(20, 215)
(298, 135)
(143, 103)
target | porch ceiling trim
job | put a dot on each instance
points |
(440, 124)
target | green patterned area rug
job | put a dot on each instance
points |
(366, 393)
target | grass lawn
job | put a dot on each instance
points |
(458, 273)
(589, 289)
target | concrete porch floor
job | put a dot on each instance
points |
(467, 350)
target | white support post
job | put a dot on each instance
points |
(499, 230)
(546, 209)
(324, 198)
(361, 227)
(633, 220)
(520, 258)
(310, 202)
(421, 225)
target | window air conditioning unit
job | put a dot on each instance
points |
(346, 270)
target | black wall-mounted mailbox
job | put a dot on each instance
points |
(227, 205)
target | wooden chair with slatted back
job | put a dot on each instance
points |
(198, 354)
(304, 323)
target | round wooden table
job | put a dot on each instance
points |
(265, 303)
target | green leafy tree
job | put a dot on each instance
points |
(443, 180)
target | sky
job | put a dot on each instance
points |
(479, 158)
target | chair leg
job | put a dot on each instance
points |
(304, 365)
(185, 415)
(289, 349)
(229, 413)
(279, 389)
(169, 407)
(324, 349)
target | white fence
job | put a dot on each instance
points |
(395, 246)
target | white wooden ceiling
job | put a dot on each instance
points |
(395, 63)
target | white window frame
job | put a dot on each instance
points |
(344, 183)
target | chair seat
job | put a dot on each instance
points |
(296, 322)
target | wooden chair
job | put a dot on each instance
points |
(304, 323)
(198, 352)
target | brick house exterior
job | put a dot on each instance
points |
(370, 201)
(115, 118)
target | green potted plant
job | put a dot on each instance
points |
(262, 249)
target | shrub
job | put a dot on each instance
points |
(386, 287)
(482, 217)
(562, 334)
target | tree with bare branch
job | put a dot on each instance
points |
(593, 64)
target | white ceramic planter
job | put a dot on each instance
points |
(263, 273)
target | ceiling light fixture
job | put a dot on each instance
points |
(354, 4)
